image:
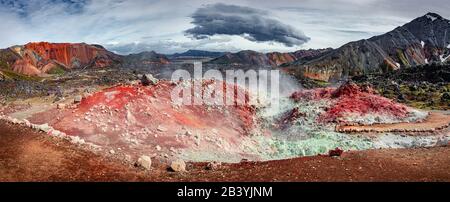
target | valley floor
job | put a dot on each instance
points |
(26, 155)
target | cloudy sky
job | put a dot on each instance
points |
(169, 26)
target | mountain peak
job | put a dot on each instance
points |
(432, 16)
(421, 41)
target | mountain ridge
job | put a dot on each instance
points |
(423, 40)
(198, 53)
(274, 59)
(38, 58)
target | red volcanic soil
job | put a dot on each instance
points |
(136, 119)
(352, 99)
(26, 155)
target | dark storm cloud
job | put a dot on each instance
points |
(253, 24)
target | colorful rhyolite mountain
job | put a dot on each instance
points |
(422, 41)
(43, 57)
(38, 59)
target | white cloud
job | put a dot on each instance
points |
(159, 24)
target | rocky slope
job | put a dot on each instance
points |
(422, 41)
(39, 58)
(254, 58)
(426, 87)
(310, 53)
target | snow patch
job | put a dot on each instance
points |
(432, 18)
(443, 59)
(422, 43)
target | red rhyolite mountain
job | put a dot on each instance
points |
(42, 57)
(37, 59)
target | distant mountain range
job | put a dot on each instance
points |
(144, 59)
(197, 54)
(253, 58)
(424, 40)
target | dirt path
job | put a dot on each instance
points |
(29, 156)
(435, 121)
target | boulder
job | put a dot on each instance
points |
(178, 166)
(335, 152)
(45, 128)
(145, 162)
(148, 79)
(77, 99)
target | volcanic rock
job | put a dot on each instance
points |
(335, 152)
(178, 166)
(77, 99)
(416, 86)
(148, 79)
(44, 128)
(144, 162)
